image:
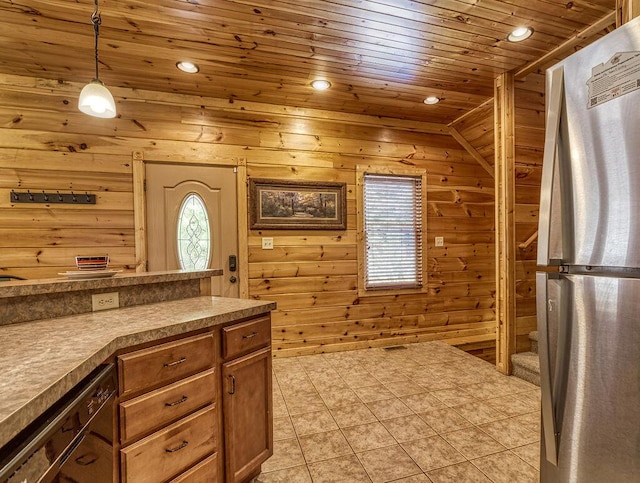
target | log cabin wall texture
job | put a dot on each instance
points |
(47, 144)
(530, 121)
(477, 128)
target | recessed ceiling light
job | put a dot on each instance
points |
(320, 84)
(520, 34)
(188, 67)
(431, 100)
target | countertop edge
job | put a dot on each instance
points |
(19, 419)
(58, 285)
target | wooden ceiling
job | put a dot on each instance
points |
(383, 57)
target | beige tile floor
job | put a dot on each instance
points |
(427, 413)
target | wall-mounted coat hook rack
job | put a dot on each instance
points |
(57, 197)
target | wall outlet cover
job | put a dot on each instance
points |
(267, 243)
(439, 241)
(104, 301)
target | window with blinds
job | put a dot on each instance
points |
(392, 225)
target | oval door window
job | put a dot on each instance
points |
(194, 234)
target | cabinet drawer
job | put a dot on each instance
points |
(172, 450)
(164, 363)
(167, 404)
(204, 472)
(246, 336)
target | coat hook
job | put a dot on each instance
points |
(45, 196)
(74, 198)
(59, 196)
(88, 197)
(14, 196)
(30, 195)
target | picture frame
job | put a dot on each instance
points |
(293, 205)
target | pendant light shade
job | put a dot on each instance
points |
(95, 99)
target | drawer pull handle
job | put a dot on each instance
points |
(175, 363)
(175, 403)
(249, 336)
(87, 459)
(178, 448)
(233, 384)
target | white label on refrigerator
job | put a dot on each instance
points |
(619, 76)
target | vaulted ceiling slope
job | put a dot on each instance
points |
(383, 57)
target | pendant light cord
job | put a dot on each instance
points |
(96, 20)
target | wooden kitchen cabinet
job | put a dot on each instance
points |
(172, 450)
(169, 411)
(247, 399)
(170, 399)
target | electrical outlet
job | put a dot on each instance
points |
(267, 243)
(104, 301)
(439, 241)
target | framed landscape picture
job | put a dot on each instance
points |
(293, 205)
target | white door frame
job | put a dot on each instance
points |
(140, 214)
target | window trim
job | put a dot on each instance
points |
(360, 237)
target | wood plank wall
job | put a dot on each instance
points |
(313, 275)
(46, 144)
(477, 128)
(530, 119)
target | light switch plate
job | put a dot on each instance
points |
(104, 301)
(439, 241)
(267, 243)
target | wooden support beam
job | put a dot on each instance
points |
(139, 210)
(626, 10)
(471, 150)
(468, 113)
(564, 48)
(243, 229)
(504, 118)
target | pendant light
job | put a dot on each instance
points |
(95, 99)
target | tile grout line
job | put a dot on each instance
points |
(319, 389)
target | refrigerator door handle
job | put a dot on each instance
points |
(548, 407)
(552, 135)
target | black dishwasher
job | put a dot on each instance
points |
(70, 442)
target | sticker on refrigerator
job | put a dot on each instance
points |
(619, 76)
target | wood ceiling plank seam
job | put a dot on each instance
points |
(419, 32)
(155, 17)
(230, 42)
(487, 10)
(408, 90)
(578, 38)
(426, 80)
(132, 49)
(414, 24)
(498, 29)
(545, 11)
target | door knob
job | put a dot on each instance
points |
(233, 279)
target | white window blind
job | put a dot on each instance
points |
(392, 231)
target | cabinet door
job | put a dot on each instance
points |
(248, 422)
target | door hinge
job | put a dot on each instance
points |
(144, 185)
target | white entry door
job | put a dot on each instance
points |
(192, 221)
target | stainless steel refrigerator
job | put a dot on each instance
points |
(589, 309)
